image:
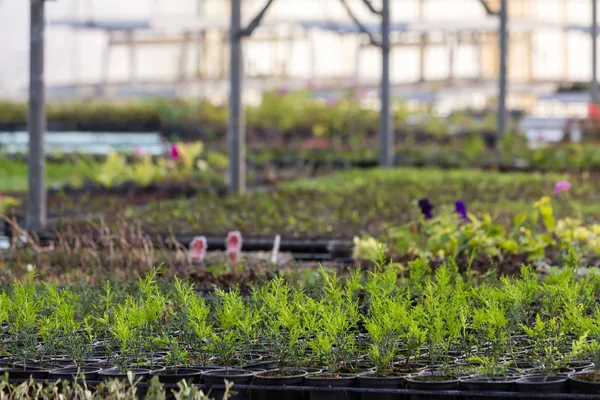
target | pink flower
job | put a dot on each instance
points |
(311, 84)
(332, 102)
(174, 152)
(282, 90)
(562, 186)
(139, 151)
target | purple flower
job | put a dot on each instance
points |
(461, 209)
(426, 208)
(562, 186)
(174, 152)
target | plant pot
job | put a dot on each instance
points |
(372, 381)
(205, 368)
(24, 373)
(431, 382)
(236, 376)
(260, 366)
(326, 380)
(115, 373)
(312, 371)
(488, 384)
(579, 366)
(73, 374)
(176, 375)
(285, 377)
(585, 382)
(540, 384)
(38, 365)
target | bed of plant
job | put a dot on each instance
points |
(280, 114)
(361, 202)
(185, 164)
(415, 328)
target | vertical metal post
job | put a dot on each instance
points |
(132, 58)
(503, 34)
(452, 42)
(422, 42)
(36, 121)
(386, 149)
(594, 82)
(235, 131)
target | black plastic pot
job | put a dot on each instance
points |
(24, 373)
(73, 374)
(236, 376)
(431, 382)
(38, 365)
(488, 384)
(583, 383)
(285, 377)
(176, 375)
(371, 381)
(541, 384)
(115, 373)
(260, 366)
(204, 368)
(579, 366)
(324, 380)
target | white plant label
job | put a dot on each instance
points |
(233, 244)
(197, 250)
(275, 253)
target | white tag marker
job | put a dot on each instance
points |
(198, 249)
(233, 244)
(275, 253)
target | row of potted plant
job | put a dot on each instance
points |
(388, 328)
(280, 112)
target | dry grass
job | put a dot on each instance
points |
(93, 250)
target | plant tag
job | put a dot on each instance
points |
(233, 244)
(233, 241)
(275, 253)
(197, 249)
(233, 256)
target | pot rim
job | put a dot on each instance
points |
(422, 378)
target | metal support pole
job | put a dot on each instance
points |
(132, 58)
(386, 150)
(503, 34)
(36, 121)
(594, 82)
(422, 43)
(235, 133)
(451, 50)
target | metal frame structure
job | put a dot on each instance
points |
(36, 209)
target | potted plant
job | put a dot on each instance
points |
(333, 341)
(492, 374)
(588, 381)
(177, 360)
(384, 326)
(23, 316)
(545, 335)
(444, 302)
(237, 322)
(123, 325)
(284, 331)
